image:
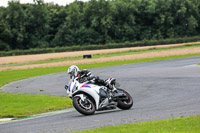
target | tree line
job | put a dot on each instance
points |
(41, 25)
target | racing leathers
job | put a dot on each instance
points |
(85, 75)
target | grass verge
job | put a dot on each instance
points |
(179, 125)
(23, 105)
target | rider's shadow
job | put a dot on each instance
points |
(97, 113)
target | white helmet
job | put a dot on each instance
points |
(73, 71)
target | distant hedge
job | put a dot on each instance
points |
(102, 46)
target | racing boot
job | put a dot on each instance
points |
(113, 89)
(109, 84)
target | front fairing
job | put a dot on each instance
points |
(89, 86)
(76, 88)
(72, 85)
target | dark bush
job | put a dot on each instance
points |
(103, 46)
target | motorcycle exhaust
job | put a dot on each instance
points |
(111, 107)
(120, 96)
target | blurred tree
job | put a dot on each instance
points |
(98, 16)
(24, 26)
(15, 18)
(124, 28)
(37, 25)
(68, 33)
(5, 33)
(57, 19)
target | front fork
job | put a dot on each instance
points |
(83, 98)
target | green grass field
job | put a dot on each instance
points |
(178, 125)
(23, 105)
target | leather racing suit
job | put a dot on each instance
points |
(85, 75)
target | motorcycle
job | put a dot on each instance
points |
(88, 98)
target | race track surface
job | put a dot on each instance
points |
(160, 90)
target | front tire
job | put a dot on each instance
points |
(85, 108)
(125, 104)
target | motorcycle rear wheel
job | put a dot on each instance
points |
(125, 104)
(84, 108)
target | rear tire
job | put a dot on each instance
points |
(81, 107)
(125, 104)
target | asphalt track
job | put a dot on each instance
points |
(160, 90)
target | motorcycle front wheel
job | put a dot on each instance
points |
(127, 103)
(86, 107)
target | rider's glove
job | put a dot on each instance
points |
(96, 77)
(66, 87)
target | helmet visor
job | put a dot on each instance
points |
(71, 74)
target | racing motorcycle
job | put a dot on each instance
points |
(88, 98)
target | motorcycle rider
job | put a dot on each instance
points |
(85, 75)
